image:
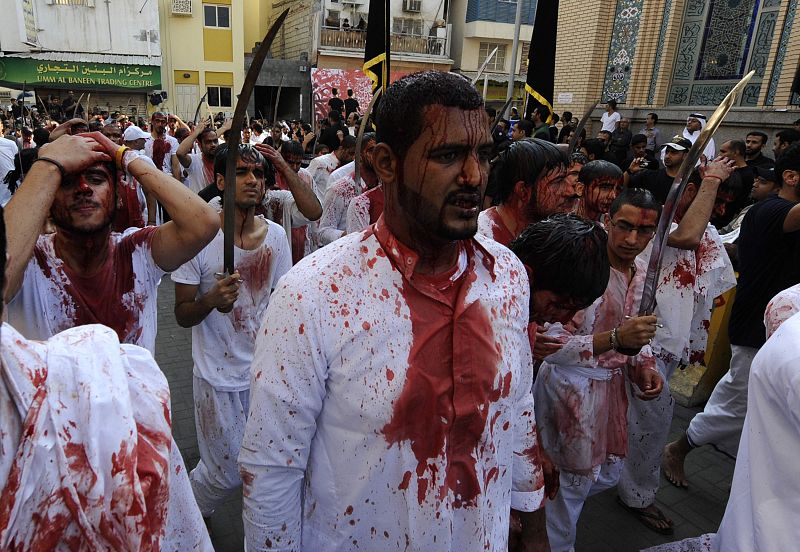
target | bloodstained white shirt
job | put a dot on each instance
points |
(87, 460)
(491, 225)
(581, 402)
(173, 147)
(222, 344)
(333, 222)
(781, 308)
(690, 280)
(365, 209)
(403, 419)
(321, 168)
(122, 295)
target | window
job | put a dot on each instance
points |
(720, 41)
(217, 16)
(87, 3)
(220, 96)
(407, 26)
(498, 63)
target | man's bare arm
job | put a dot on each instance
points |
(194, 222)
(792, 221)
(304, 197)
(185, 148)
(28, 209)
(694, 222)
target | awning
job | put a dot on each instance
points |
(67, 70)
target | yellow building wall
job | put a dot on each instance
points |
(256, 22)
(191, 48)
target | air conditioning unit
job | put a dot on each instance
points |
(181, 7)
(413, 6)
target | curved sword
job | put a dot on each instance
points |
(648, 304)
(199, 105)
(483, 65)
(360, 136)
(235, 136)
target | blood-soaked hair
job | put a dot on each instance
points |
(599, 168)
(568, 257)
(249, 154)
(290, 147)
(638, 197)
(399, 119)
(527, 161)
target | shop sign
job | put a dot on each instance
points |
(79, 75)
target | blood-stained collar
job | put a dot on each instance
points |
(405, 259)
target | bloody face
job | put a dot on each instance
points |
(629, 231)
(250, 184)
(159, 124)
(208, 144)
(366, 154)
(551, 307)
(84, 203)
(444, 173)
(555, 193)
(722, 203)
(600, 194)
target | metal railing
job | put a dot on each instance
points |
(355, 39)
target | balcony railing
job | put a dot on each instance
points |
(355, 39)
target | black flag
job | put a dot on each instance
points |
(542, 57)
(376, 50)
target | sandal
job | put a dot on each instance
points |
(647, 519)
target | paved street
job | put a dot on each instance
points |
(604, 525)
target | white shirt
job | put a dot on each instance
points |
(364, 209)
(122, 295)
(196, 178)
(222, 344)
(258, 138)
(86, 452)
(581, 405)
(610, 121)
(8, 150)
(690, 281)
(173, 143)
(333, 222)
(782, 307)
(765, 491)
(321, 168)
(354, 375)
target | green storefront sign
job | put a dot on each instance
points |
(33, 73)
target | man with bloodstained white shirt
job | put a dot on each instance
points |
(602, 183)
(529, 179)
(87, 460)
(199, 166)
(341, 191)
(224, 314)
(580, 388)
(365, 209)
(372, 422)
(321, 167)
(694, 271)
(84, 273)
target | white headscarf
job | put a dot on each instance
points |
(710, 150)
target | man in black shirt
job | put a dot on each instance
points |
(639, 150)
(769, 262)
(658, 182)
(331, 135)
(754, 143)
(350, 104)
(336, 103)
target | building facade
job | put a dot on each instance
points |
(673, 57)
(107, 52)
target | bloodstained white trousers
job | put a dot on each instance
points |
(648, 428)
(219, 418)
(721, 421)
(563, 512)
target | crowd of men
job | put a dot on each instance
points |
(441, 350)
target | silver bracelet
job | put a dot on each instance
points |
(614, 340)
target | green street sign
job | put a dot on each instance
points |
(14, 72)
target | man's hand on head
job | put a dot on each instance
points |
(273, 156)
(65, 128)
(721, 168)
(77, 153)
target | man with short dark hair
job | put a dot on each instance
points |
(522, 130)
(321, 167)
(455, 458)
(539, 116)
(334, 133)
(639, 151)
(739, 184)
(351, 104)
(754, 143)
(199, 166)
(652, 132)
(529, 183)
(611, 117)
(784, 139)
(602, 183)
(769, 262)
(605, 136)
(659, 182)
(620, 141)
(335, 102)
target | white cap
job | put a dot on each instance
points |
(133, 132)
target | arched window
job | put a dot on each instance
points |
(721, 41)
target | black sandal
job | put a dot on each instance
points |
(647, 519)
